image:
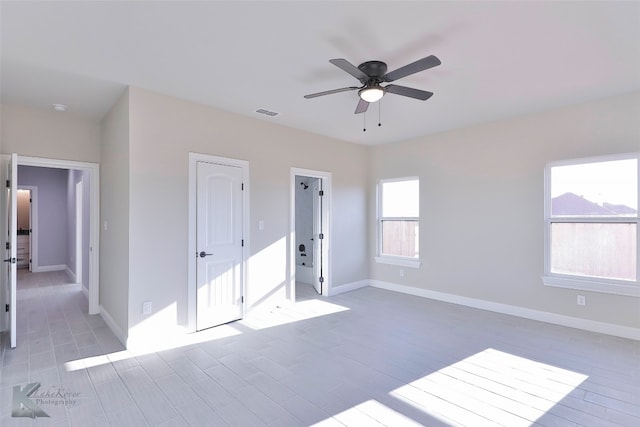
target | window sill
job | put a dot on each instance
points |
(584, 284)
(404, 262)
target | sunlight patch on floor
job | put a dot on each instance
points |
(169, 343)
(280, 316)
(372, 413)
(301, 310)
(491, 386)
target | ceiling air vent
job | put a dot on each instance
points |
(266, 112)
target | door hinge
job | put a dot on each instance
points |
(242, 300)
(321, 236)
(321, 193)
(8, 184)
(321, 279)
(242, 186)
(242, 242)
(7, 246)
(6, 308)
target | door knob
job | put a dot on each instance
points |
(204, 254)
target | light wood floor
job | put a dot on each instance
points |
(364, 358)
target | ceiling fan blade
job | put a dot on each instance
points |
(329, 92)
(415, 67)
(422, 95)
(362, 106)
(347, 66)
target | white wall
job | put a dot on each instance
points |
(49, 134)
(481, 205)
(163, 131)
(114, 212)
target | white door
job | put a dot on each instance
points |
(12, 215)
(219, 243)
(317, 235)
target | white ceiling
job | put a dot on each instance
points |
(499, 59)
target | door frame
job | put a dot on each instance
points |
(94, 217)
(79, 238)
(325, 178)
(192, 249)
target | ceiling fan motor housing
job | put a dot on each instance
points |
(376, 71)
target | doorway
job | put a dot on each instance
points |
(11, 163)
(310, 199)
(81, 200)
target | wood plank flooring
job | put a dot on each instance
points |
(364, 358)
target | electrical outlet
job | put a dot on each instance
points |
(146, 307)
(582, 300)
(401, 273)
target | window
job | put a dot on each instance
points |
(398, 222)
(591, 224)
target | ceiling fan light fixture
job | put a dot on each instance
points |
(371, 93)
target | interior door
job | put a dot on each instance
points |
(12, 222)
(317, 235)
(219, 240)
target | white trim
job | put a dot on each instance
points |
(94, 217)
(45, 268)
(79, 217)
(404, 262)
(113, 326)
(541, 316)
(348, 287)
(72, 275)
(584, 284)
(194, 158)
(325, 177)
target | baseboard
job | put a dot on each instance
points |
(527, 313)
(46, 268)
(347, 287)
(113, 326)
(71, 274)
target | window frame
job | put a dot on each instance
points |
(388, 258)
(589, 283)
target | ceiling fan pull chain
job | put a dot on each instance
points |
(364, 122)
(380, 113)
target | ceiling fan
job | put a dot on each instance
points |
(373, 73)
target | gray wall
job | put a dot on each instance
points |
(49, 134)
(52, 213)
(163, 131)
(114, 212)
(481, 205)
